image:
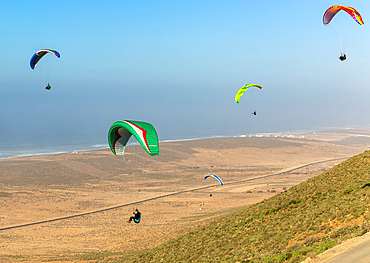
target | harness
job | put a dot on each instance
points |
(137, 220)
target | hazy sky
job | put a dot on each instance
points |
(178, 65)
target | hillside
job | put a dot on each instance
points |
(301, 222)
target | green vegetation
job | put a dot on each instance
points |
(301, 222)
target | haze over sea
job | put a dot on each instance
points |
(177, 65)
(40, 143)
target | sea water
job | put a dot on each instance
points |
(47, 144)
(29, 141)
(34, 148)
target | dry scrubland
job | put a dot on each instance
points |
(45, 187)
(295, 225)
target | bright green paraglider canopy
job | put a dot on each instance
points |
(121, 131)
(244, 89)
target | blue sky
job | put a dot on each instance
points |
(178, 65)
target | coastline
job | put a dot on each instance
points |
(19, 151)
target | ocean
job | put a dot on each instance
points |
(41, 143)
(35, 149)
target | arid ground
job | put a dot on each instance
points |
(35, 189)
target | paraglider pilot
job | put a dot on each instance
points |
(342, 57)
(48, 87)
(136, 217)
(254, 113)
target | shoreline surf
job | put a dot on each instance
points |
(19, 151)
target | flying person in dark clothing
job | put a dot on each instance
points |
(342, 57)
(48, 87)
(136, 217)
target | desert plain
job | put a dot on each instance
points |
(75, 203)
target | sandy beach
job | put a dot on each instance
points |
(34, 189)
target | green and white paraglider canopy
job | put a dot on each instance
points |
(121, 131)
